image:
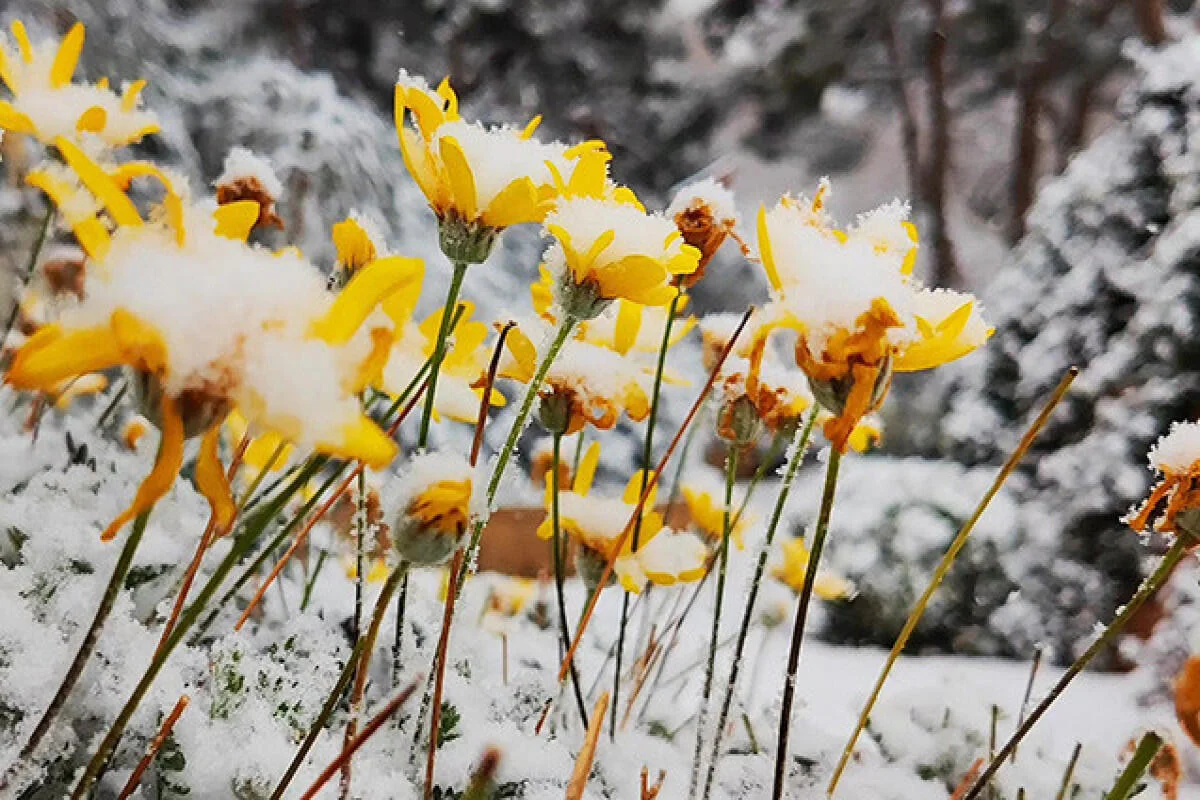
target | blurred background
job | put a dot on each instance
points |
(1049, 148)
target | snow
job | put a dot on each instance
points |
(241, 164)
(1178, 451)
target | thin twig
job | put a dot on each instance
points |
(375, 724)
(156, 745)
(587, 755)
(943, 567)
(435, 719)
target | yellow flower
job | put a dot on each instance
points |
(46, 104)
(507, 598)
(791, 570)
(587, 383)
(478, 180)
(434, 501)
(597, 523)
(857, 313)
(206, 322)
(608, 247)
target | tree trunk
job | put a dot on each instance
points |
(945, 267)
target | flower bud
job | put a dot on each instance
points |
(590, 564)
(738, 421)
(465, 242)
(424, 544)
(581, 301)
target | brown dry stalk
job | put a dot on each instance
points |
(651, 792)
(967, 780)
(435, 719)
(641, 669)
(206, 538)
(583, 763)
(375, 724)
(642, 500)
(485, 401)
(156, 745)
(1187, 699)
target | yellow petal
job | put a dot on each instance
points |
(52, 356)
(637, 278)
(416, 159)
(524, 357)
(629, 322)
(516, 204)
(462, 182)
(633, 489)
(764, 250)
(99, 183)
(354, 246)
(531, 127)
(129, 99)
(369, 286)
(14, 121)
(92, 121)
(235, 220)
(363, 440)
(142, 347)
(400, 304)
(23, 44)
(449, 99)
(91, 233)
(371, 368)
(6, 73)
(166, 467)
(211, 482)
(90, 383)
(587, 469)
(67, 57)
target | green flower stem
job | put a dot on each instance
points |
(565, 327)
(360, 535)
(558, 546)
(810, 579)
(800, 447)
(30, 267)
(439, 348)
(647, 454)
(242, 543)
(731, 461)
(364, 645)
(1146, 750)
(1179, 549)
(88, 645)
(312, 580)
(1069, 772)
(280, 538)
(276, 454)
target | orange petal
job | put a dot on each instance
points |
(166, 468)
(211, 482)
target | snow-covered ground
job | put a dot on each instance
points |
(253, 693)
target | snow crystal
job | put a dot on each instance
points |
(1177, 451)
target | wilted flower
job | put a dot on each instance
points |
(206, 322)
(1177, 457)
(706, 214)
(858, 315)
(478, 180)
(597, 523)
(250, 177)
(47, 105)
(433, 505)
(791, 569)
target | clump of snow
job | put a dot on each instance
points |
(242, 164)
(708, 193)
(587, 219)
(1177, 451)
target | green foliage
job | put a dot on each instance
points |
(448, 726)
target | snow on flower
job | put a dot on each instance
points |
(46, 103)
(206, 322)
(1175, 498)
(858, 314)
